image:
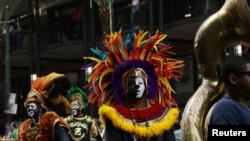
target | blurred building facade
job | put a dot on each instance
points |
(56, 35)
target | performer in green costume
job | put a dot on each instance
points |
(82, 126)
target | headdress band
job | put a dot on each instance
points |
(133, 72)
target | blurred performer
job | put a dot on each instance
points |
(82, 126)
(43, 124)
(13, 129)
(131, 85)
(134, 14)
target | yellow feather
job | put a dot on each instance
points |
(140, 37)
(156, 127)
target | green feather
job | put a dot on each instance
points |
(74, 90)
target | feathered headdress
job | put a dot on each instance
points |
(119, 55)
(35, 94)
(76, 94)
(44, 91)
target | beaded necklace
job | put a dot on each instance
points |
(133, 119)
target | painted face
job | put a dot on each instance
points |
(136, 86)
(75, 108)
(33, 109)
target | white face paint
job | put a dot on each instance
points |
(136, 86)
(75, 109)
(32, 109)
(139, 82)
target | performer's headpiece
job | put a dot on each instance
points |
(78, 96)
(40, 93)
(134, 72)
(138, 56)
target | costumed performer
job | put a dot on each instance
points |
(82, 126)
(131, 84)
(43, 124)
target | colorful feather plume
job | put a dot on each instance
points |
(118, 55)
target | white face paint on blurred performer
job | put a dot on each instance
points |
(75, 109)
(33, 109)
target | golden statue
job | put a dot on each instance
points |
(228, 26)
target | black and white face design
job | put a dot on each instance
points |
(75, 108)
(136, 86)
(33, 109)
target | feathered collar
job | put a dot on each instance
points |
(159, 121)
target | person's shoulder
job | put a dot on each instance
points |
(225, 106)
(89, 117)
(51, 114)
(68, 118)
(225, 101)
(25, 122)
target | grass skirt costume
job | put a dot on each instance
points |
(117, 58)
